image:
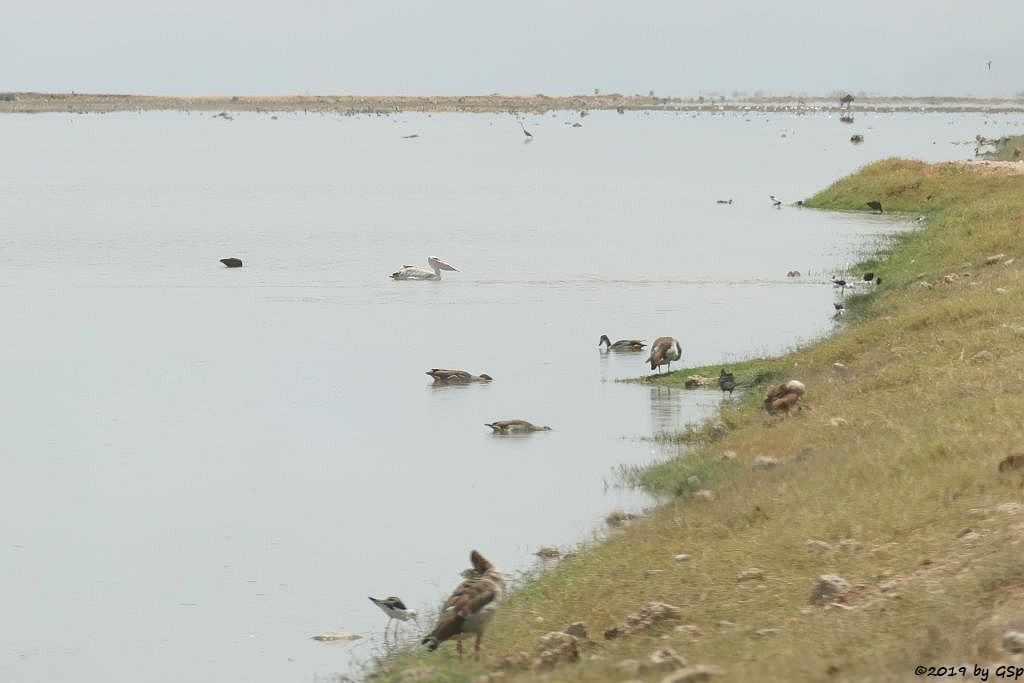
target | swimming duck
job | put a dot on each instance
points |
(457, 376)
(622, 344)
(470, 607)
(515, 427)
(663, 352)
(417, 273)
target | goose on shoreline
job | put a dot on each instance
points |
(663, 352)
(470, 607)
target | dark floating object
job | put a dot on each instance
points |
(839, 305)
(726, 381)
(857, 139)
(410, 137)
(875, 205)
(869, 276)
(232, 262)
(846, 118)
(723, 201)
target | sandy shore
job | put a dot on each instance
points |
(31, 103)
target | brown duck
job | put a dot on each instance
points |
(622, 344)
(515, 427)
(457, 376)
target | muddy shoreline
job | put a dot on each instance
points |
(38, 103)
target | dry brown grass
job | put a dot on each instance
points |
(932, 396)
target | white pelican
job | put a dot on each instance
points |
(470, 607)
(417, 273)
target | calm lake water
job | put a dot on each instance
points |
(203, 467)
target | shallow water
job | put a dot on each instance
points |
(203, 467)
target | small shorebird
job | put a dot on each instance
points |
(846, 100)
(622, 344)
(417, 273)
(777, 203)
(875, 205)
(515, 427)
(529, 135)
(836, 282)
(723, 201)
(232, 262)
(663, 352)
(396, 611)
(442, 376)
(470, 607)
(726, 381)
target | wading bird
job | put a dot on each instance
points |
(875, 205)
(396, 611)
(417, 273)
(726, 381)
(777, 203)
(529, 135)
(470, 607)
(846, 100)
(663, 352)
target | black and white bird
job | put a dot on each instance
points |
(840, 310)
(836, 282)
(726, 381)
(529, 135)
(777, 203)
(396, 611)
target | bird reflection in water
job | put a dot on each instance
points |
(666, 410)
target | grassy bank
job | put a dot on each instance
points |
(1009, 149)
(892, 466)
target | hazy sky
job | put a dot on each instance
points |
(680, 47)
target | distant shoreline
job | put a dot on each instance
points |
(83, 103)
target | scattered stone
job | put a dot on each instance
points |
(683, 557)
(729, 455)
(839, 367)
(983, 356)
(752, 574)
(924, 285)
(1002, 290)
(628, 667)
(692, 674)
(994, 259)
(652, 614)
(555, 648)
(704, 494)
(764, 462)
(1013, 641)
(492, 677)
(1008, 508)
(1014, 461)
(806, 453)
(815, 546)
(830, 587)
(337, 637)
(766, 632)
(837, 422)
(653, 572)
(515, 661)
(618, 516)
(850, 545)
(1009, 261)
(693, 480)
(548, 552)
(662, 660)
(696, 382)
(690, 629)
(577, 629)
(1016, 329)
(723, 624)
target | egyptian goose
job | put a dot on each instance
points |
(622, 344)
(663, 352)
(457, 376)
(470, 607)
(515, 427)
